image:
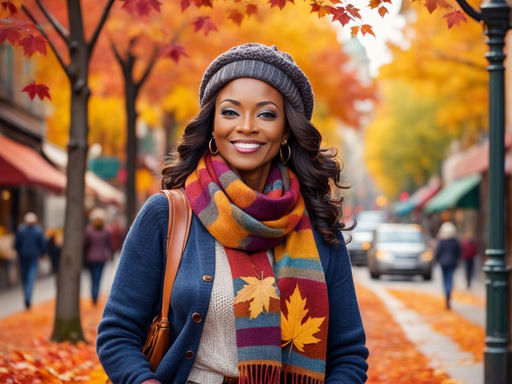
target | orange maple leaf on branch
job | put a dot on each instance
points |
(295, 328)
(141, 7)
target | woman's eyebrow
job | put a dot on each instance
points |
(263, 103)
(230, 101)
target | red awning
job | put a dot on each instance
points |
(476, 159)
(21, 165)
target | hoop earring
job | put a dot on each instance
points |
(210, 144)
(281, 153)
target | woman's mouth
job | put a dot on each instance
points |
(246, 146)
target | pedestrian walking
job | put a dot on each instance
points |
(264, 292)
(30, 244)
(447, 254)
(469, 248)
(98, 249)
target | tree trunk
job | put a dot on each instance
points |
(67, 324)
(130, 90)
(170, 131)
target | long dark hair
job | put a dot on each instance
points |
(316, 166)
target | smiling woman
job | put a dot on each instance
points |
(264, 291)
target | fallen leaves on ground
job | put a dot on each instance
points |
(393, 358)
(468, 336)
(468, 298)
(27, 355)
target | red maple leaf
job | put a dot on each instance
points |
(10, 7)
(141, 7)
(278, 3)
(367, 28)
(251, 9)
(236, 16)
(184, 4)
(34, 89)
(339, 14)
(32, 44)
(353, 11)
(10, 34)
(455, 18)
(203, 3)
(204, 23)
(174, 51)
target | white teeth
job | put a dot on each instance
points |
(247, 145)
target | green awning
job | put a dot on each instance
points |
(462, 193)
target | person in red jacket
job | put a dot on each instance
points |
(98, 249)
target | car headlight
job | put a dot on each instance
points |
(427, 256)
(365, 245)
(381, 255)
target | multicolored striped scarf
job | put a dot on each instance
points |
(281, 327)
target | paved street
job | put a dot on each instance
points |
(11, 300)
(442, 352)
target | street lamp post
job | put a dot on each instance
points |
(495, 14)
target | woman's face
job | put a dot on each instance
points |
(249, 128)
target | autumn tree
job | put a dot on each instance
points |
(442, 76)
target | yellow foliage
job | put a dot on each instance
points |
(295, 329)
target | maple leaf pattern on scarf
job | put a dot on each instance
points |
(259, 291)
(294, 329)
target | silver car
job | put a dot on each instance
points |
(399, 249)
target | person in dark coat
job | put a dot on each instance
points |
(30, 244)
(469, 248)
(98, 249)
(447, 254)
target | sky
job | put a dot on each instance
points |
(386, 29)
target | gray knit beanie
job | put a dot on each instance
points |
(264, 63)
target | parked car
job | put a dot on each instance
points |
(399, 249)
(362, 235)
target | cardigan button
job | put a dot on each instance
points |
(197, 317)
(207, 278)
(189, 354)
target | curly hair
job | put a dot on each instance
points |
(316, 166)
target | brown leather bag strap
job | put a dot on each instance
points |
(180, 216)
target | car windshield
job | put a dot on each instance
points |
(400, 237)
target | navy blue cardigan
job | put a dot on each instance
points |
(135, 299)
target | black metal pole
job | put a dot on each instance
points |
(495, 15)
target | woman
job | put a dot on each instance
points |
(264, 292)
(98, 249)
(447, 255)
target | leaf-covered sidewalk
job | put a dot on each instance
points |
(26, 355)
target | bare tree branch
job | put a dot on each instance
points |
(101, 22)
(116, 53)
(62, 31)
(150, 66)
(50, 43)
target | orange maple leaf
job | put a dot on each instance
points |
(367, 28)
(259, 291)
(294, 329)
(9, 8)
(382, 11)
(236, 16)
(375, 3)
(455, 18)
(251, 9)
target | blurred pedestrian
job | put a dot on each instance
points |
(447, 254)
(469, 248)
(98, 249)
(30, 245)
(54, 246)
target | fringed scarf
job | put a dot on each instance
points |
(281, 328)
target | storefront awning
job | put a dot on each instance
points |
(462, 193)
(418, 198)
(22, 165)
(95, 186)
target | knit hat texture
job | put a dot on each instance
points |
(264, 63)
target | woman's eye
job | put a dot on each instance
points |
(268, 114)
(229, 112)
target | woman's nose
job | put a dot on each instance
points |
(246, 124)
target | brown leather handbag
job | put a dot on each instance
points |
(180, 215)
